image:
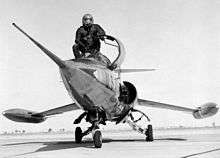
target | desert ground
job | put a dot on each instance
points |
(168, 143)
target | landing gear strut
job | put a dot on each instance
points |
(133, 123)
(95, 117)
(97, 135)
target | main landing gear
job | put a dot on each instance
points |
(78, 135)
(133, 123)
(95, 117)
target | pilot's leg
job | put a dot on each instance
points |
(76, 51)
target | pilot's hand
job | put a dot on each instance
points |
(101, 37)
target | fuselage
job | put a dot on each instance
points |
(90, 83)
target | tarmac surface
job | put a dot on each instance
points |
(171, 143)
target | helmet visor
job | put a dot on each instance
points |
(88, 21)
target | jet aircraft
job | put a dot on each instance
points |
(95, 86)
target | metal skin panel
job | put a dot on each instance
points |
(85, 84)
(89, 81)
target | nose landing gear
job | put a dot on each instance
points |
(95, 117)
(97, 135)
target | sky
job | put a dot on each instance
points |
(180, 38)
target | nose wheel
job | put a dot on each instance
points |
(96, 135)
(95, 116)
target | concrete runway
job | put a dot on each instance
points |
(179, 143)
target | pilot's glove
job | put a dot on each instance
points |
(101, 37)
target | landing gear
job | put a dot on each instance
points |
(78, 135)
(95, 117)
(149, 134)
(94, 129)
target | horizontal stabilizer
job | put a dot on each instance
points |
(203, 111)
(133, 70)
(154, 104)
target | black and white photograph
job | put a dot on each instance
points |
(109, 78)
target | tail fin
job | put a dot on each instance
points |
(56, 59)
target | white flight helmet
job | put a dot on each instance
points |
(87, 20)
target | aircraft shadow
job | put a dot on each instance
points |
(85, 143)
(88, 143)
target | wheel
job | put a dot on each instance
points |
(149, 133)
(78, 135)
(97, 139)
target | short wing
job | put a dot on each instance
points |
(59, 110)
(205, 110)
(153, 104)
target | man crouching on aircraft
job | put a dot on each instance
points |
(87, 42)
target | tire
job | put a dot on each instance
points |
(149, 133)
(97, 139)
(78, 135)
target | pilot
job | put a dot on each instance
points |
(87, 42)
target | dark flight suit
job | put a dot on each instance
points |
(88, 40)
